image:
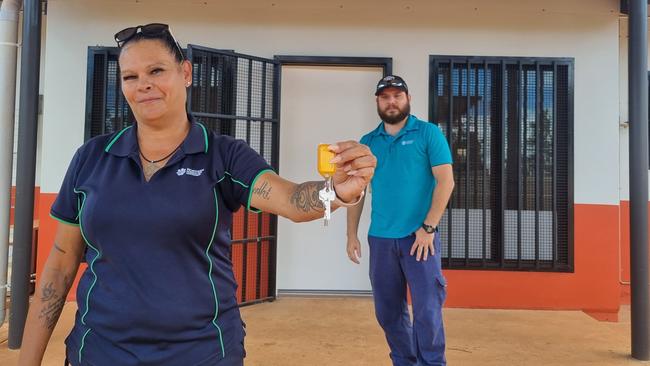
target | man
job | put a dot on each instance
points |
(410, 190)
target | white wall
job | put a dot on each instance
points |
(408, 31)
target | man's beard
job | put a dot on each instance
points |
(397, 118)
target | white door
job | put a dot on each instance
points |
(322, 104)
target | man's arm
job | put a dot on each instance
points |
(353, 245)
(353, 218)
(444, 176)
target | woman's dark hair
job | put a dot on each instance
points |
(165, 38)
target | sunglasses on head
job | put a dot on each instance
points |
(153, 30)
(390, 83)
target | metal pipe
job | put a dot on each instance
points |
(522, 119)
(485, 157)
(450, 138)
(8, 52)
(26, 172)
(638, 107)
(554, 174)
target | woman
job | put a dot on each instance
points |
(150, 208)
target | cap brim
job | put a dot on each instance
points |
(391, 86)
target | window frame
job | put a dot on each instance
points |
(451, 262)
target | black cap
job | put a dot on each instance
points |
(391, 81)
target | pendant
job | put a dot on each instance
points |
(150, 169)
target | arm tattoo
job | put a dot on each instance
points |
(53, 300)
(264, 191)
(57, 247)
(305, 196)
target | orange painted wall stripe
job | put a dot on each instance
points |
(624, 244)
(238, 264)
(592, 287)
(12, 200)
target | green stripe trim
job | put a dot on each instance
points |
(78, 207)
(250, 191)
(205, 134)
(232, 179)
(83, 343)
(110, 144)
(235, 180)
(91, 266)
(63, 221)
(214, 289)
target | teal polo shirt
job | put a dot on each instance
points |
(403, 184)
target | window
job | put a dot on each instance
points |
(106, 109)
(509, 123)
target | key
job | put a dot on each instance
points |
(327, 195)
(327, 170)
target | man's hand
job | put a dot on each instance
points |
(354, 249)
(423, 245)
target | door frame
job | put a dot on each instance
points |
(386, 63)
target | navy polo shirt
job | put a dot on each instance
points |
(159, 288)
(403, 184)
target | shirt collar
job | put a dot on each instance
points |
(409, 126)
(125, 142)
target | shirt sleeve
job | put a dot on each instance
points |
(364, 140)
(438, 148)
(66, 205)
(243, 166)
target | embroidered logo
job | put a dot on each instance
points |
(188, 171)
(407, 142)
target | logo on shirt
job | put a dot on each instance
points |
(188, 171)
(407, 142)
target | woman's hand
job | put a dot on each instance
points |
(355, 166)
(300, 202)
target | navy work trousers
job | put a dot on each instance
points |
(422, 341)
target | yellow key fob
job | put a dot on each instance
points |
(324, 156)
